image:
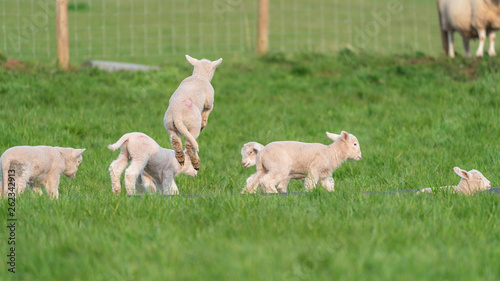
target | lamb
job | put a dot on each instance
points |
(38, 165)
(154, 166)
(278, 160)
(471, 182)
(249, 158)
(472, 19)
(189, 107)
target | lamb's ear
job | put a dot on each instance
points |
(216, 63)
(345, 135)
(333, 137)
(462, 173)
(78, 152)
(191, 60)
(257, 147)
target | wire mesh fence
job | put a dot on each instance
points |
(152, 30)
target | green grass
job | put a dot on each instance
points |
(416, 117)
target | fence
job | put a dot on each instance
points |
(159, 30)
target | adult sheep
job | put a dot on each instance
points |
(472, 19)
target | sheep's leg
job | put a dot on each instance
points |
(195, 160)
(311, 180)
(482, 40)
(269, 182)
(176, 142)
(148, 182)
(491, 50)
(252, 184)
(204, 118)
(115, 171)
(37, 188)
(466, 46)
(131, 174)
(282, 186)
(451, 50)
(51, 185)
(328, 183)
(21, 183)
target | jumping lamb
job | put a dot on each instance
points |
(471, 182)
(154, 166)
(278, 160)
(249, 158)
(472, 19)
(189, 107)
(38, 165)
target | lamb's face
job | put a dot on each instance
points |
(352, 147)
(73, 159)
(473, 180)
(249, 154)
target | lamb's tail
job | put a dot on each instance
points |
(444, 33)
(185, 132)
(119, 143)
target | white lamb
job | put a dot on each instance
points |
(278, 160)
(249, 158)
(471, 182)
(189, 107)
(472, 19)
(39, 165)
(155, 166)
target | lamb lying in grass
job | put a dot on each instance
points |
(278, 160)
(40, 165)
(154, 166)
(471, 182)
(189, 107)
(249, 159)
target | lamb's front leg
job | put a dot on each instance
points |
(204, 117)
(328, 183)
(311, 180)
(52, 185)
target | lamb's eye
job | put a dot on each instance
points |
(355, 144)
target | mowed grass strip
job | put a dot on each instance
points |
(416, 118)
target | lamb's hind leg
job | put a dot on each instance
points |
(191, 149)
(176, 142)
(115, 171)
(131, 174)
(270, 180)
(193, 156)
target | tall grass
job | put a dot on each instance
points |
(415, 117)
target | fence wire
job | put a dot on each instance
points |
(152, 30)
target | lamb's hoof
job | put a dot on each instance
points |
(180, 160)
(196, 166)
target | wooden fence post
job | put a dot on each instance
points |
(62, 34)
(263, 28)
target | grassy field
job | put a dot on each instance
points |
(416, 117)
